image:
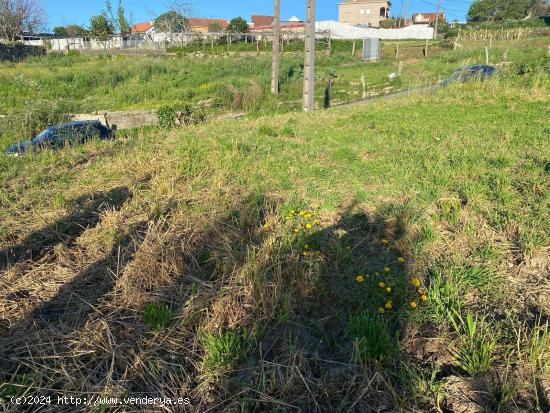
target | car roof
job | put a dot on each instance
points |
(75, 124)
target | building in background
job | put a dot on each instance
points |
(363, 12)
(202, 25)
(427, 18)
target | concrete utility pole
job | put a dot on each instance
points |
(309, 62)
(436, 19)
(276, 48)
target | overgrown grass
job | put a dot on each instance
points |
(360, 259)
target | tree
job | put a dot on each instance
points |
(74, 30)
(123, 24)
(481, 11)
(60, 31)
(101, 28)
(237, 25)
(490, 10)
(19, 16)
(171, 22)
(215, 27)
(538, 8)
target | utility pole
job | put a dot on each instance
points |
(401, 14)
(309, 60)
(436, 19)
(276, 48)
(406, 9)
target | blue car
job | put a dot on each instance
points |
(474, 72)
(58, 136)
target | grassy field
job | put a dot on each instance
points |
(387, 257)
(38, 92)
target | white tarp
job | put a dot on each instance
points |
(347, 31)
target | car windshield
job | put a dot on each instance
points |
(42, 135)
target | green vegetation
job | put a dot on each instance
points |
(157, 316)
(491, 10)
(379, 257)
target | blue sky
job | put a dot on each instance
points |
(62, 12)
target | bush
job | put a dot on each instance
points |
(179, 115)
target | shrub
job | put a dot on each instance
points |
(179, 115)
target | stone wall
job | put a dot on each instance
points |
(18, 52)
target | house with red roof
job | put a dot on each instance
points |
(202, 24)
(142, 28)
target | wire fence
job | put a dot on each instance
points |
(166, 42)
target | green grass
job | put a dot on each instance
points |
(157, 316)
(456, 183)
(476, 345)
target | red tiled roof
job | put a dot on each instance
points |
(283, 27)
(262, 20)
(199, 22)
(141, 27)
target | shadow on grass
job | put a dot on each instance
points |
(336, 348)
(86, 211)
(252, 316)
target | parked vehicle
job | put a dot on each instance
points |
(58, 136)
(465, 74)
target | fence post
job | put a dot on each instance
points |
(400, 71)
(363, 85)
(353, 49)
(426, 49)
(328, 94)
(486, 55)
(397, 52)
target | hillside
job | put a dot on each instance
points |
(392, 256)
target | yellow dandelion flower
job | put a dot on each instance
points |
(385, 242)
(389, 305)
(292, 212)
(315, 221)
(416, 282)
(360, 279)
(401, 259)
(305, 253)
(302, 213)
(424, 297)
(386, 269)
(266, 226)
(381, 284)
(308, 225)
(388, 290)
(381, 310)
(296, 230)
(413, 304)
